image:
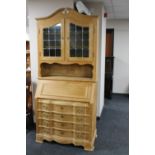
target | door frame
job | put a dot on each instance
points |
(110, 79)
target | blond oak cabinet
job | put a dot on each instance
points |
(65, 99)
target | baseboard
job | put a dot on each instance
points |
(98, 117)
(122, 94)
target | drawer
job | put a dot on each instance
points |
(82, 110)
(82, 127)
(55, 106)
(46, 115)
(62, 133)
(44, 106)
(71, 118)
(63, 109)
(63, 125)
(73, 127)
(43, 130)
(45, 123)
(82, 136)
(63, 117)
(81, 119)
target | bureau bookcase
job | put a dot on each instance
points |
(65, 99)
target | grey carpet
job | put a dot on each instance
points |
(112, 131)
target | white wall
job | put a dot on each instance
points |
(97, 8)
(121, 54)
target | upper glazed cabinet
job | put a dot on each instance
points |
(66, 36)
(67, 41)
(79, 37)
(51, 37)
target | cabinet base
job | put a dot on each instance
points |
(88, 145)
(39, 139)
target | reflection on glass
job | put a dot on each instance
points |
(79, 41)
(52, 41)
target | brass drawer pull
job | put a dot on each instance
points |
(80, 135)
(62, 108)
(44, 107)
(61, 132)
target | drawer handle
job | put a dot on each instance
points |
(80, 136)
(80, 111)
(44, 107)
(79, 119)
(79, 128)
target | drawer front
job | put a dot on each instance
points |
(82, 127)
(63, 125)
(43, 130)
(71, 118)
(44, 115)
(62, 133)
(44, 106)
(81, 119)
(45, 123)
(82, 136)
(82, 110)
(62, 117)
(54, 124)
(63, 109)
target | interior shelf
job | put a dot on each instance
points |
(67, 70)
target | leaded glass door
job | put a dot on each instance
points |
(52, 41)
(79, 41)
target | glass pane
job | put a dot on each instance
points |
(51, 37)
(45, 36)
(72, 52)
(79, 52)
(58, 53)
(52, 44)
(52, 52)
(79, 44)
(46, 44)
(57, 37)
(57, 29)
(51, 30)
(72, 27)
(85, 36)
(79, 41)
(85, 53)
(86, 44)
(46, 52)
(52, 41)
(57, 43)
